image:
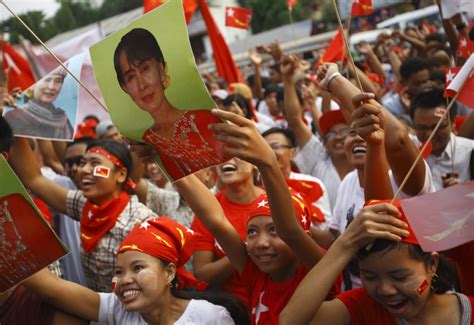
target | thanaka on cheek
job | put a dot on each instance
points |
(147, 279)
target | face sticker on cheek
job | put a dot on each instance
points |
(147, 279)
(101, 171)
(114, 283)
(417, 285)
(439, 112)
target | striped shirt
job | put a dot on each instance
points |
(99, 266)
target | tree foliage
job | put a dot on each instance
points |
(70, 15)
(268, 14)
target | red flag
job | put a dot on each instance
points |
(225, 63)
(17, 68)
(189, 6)
(291, 4)
(238, 17)
(101, 171)
(451, 217)
(362, 8)
(462, 83)
(335, 51)
(465, 47)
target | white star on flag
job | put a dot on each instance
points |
(450, 76)
(190, 231)
(230, 12)
(299, 196)
(262, 203)
(463, 42)
(144, 225)
(90, 215)
(260, 308)
(304, 219)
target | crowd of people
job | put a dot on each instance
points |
(296, 228)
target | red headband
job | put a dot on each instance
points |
(167, 240)
(260, 208)
(411, 238)
(104, 153)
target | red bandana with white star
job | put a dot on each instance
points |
(97, 220)
(260, 207)
(166, 240)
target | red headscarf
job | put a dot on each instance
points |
(329, 119)
(166, 240)
(411, 238)
(260, 207)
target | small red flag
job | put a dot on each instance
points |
(291, 4)
(335, 51)
(17, 68)
(101, 171)
(225, 64)
(362, 8)
(189, 6)
(238, 17)
(461, 80)
(422, 287)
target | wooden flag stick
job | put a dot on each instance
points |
(347, 46)
(54, 56)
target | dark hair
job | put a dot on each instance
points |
(119, 150)
(437, 37)
(438, 75)
(445, 271)
(6, 135)
(272, 89)
(429, 98)
(412, 66)
(241, 101)
(91, 116)
(288, 133)
(237, 310)
(83, 140)
(139, 45)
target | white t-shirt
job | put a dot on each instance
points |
(197, 312)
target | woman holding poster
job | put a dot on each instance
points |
(180, 137)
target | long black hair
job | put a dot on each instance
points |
(446, 271)
(237, 310)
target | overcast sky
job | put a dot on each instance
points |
(49, 7)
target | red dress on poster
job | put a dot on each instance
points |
(192, 146)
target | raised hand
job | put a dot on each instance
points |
(288, 66)
(255, 57)
(241, 139)
(325, 74)
(367, 118)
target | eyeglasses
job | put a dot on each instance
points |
(342, 133)
(279, 146)
(69, 162)
(425, 128)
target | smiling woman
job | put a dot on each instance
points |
(179, 136)
(39, 117)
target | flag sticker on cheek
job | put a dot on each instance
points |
(114, 283)
(439, 112)
(101, 171)
(422, 287)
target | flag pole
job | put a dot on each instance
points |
(54, 56)
(451, 142)
(347, 46)
(290, 14)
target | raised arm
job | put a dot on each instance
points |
(209, 211)
(243, 141)
(65, 295)
(50, 158)
(401, 151)
(257, 81)
(368, 121)
(292, 107)
(27, 168)
(307, 304)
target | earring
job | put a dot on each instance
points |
(434, 280)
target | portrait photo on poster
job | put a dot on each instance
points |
(48, 109)
(156, 94)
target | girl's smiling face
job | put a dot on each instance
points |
(142, 281)
(398, 281)
(267, 250)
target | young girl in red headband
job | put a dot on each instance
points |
(148, 282)
(278, 250)
(104, 207)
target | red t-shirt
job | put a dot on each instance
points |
(237, 216)
(365, 310)
(268, 298)
(463, 256)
